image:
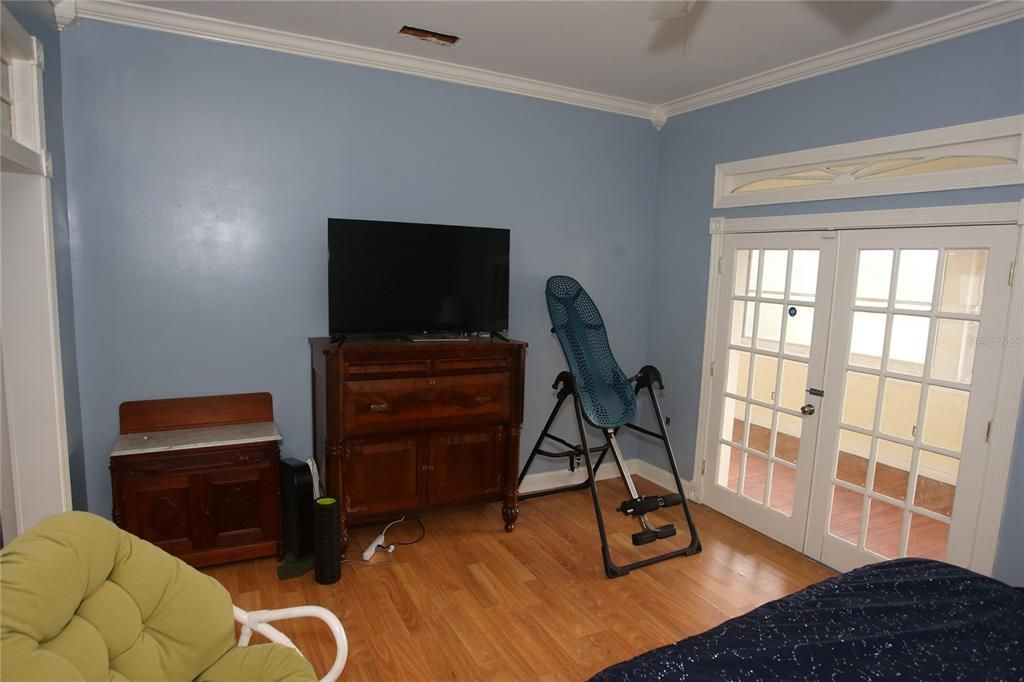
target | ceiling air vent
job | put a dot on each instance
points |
(429, 36)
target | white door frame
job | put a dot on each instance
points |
(1008, 391)
(33, 441)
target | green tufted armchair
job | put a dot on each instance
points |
(80, 599)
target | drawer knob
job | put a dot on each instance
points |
(380, 407)
(483, 399)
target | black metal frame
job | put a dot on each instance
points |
(646, 378)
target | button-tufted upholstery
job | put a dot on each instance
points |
(80, 599)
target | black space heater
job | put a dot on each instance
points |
(297, 507)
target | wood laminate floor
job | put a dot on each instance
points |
(471, 602)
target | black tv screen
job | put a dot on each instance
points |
(407, 278)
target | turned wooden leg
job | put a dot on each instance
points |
(343, 532)
(510, 512)
(510, 506)
(334, 453)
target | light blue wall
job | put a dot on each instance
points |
(971, 78)
(201, 176)
(33, 18)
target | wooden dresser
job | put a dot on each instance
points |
(400, 426)
(198, 477)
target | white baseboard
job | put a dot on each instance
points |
(547, 480)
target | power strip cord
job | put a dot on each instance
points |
(378, 542)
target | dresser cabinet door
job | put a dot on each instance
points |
(163, 510)
(464, 465)
(240, 505)
(384, 476)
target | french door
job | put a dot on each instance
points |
(913, 366)
(852, 416)
(773, 322)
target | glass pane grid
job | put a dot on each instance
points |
(914, 313)
(752, 459)
(888, 373)
(769, 405)
(784, 356)
(757, 453)
(896, 439)
(930, 366)
(917, 509)
(798, 300)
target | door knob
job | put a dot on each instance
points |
(807, 409)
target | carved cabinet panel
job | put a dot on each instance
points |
(205, 506)
(162, 509)
(233, 505)
(464, 465)
(384, 475)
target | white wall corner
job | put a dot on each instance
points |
(658, 117)
(560, 478)
(65, 13)
(663, 477)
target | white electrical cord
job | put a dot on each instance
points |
(378, 542)
(315, 474)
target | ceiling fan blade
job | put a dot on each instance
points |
(671, 10)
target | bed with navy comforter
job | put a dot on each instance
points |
(908, 619)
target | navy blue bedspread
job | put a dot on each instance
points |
(908, 619)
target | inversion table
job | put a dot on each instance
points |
(606, 399)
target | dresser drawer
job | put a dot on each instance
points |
(373, 370)
(385, 405)
(169, 462)
(466, 365)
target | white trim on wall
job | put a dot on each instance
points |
(910, 38)
(159, 19)
(707, 375)
(65, 13)
(932, 216)
(549, 480)
(1001, 138)
(1004, 423)
(32, 384)
(170, 21)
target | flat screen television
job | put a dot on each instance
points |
(410, 278)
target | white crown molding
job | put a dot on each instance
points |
(910, 38)
(658, 117)
(159, 19)
(65, 13)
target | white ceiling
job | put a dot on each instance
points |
(607, 47)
